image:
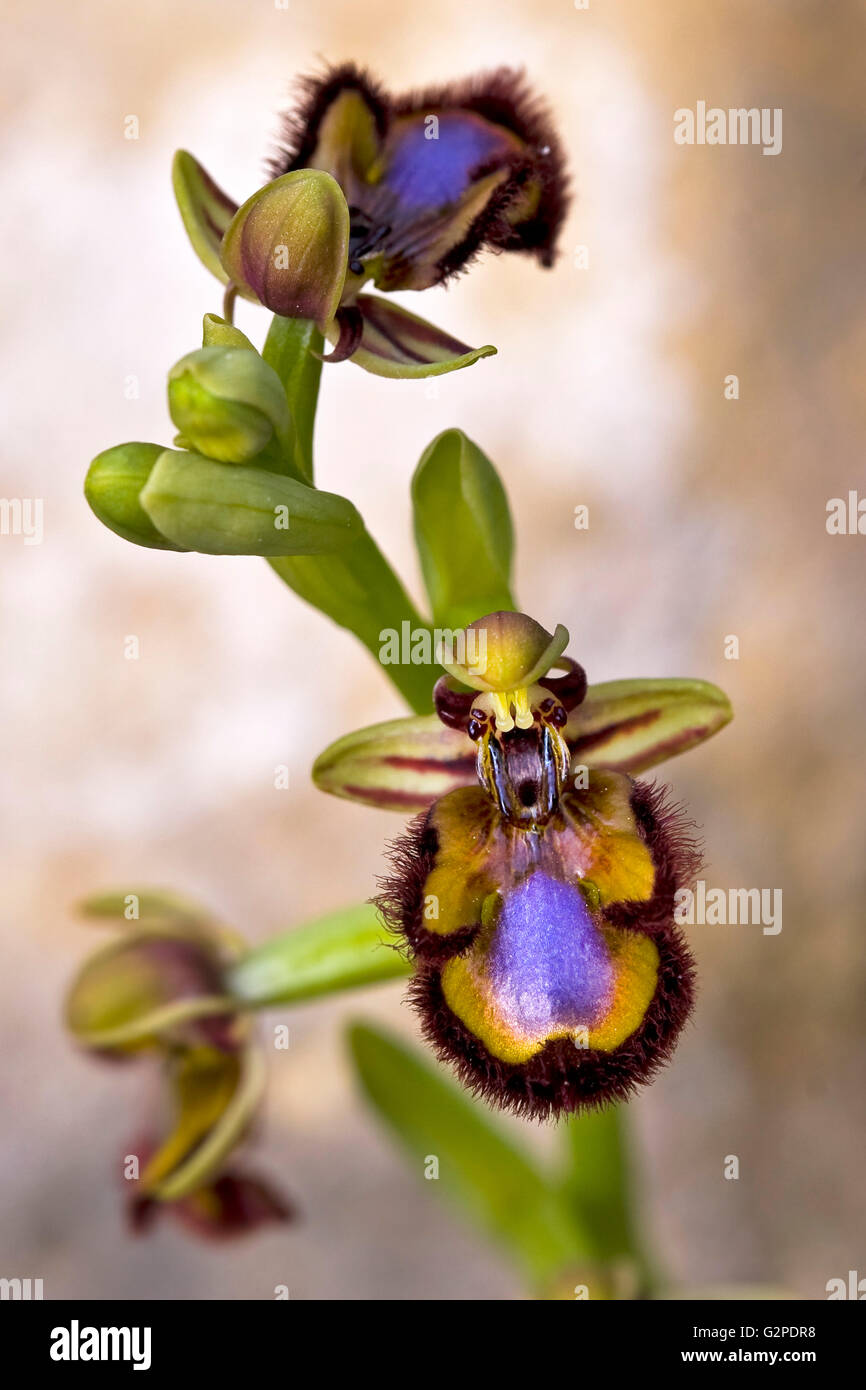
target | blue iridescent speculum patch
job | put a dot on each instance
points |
(431, 159)
(548, 963)
(548, 968)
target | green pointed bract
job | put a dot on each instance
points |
(222, 510)
(205, 209)
(217, 332)
(463, 531)
(287, 246)
(623, 726)
(631, 725)
(228, 404)
(113, 488)
(395, 343)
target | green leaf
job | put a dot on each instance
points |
(221, 509)
(292, 348)
(358, 590)
(492, 1179)
(462, 530)
(113, 487)
(345, 950)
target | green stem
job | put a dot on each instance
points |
(343, 950)
(357, 589)
(291, 348)
(598, 1181)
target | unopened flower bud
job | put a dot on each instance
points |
(228, 404)
(112, 488)
(287, 246)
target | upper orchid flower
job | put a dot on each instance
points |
(536, 890)
(399, 192)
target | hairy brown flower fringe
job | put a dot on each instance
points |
(561, 1078)
(503, 97)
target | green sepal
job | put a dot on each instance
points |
(402, 765)
(206, 211)
(632, 725)
(624, 726)
(130, 906)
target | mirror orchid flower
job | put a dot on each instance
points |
(402, 193)
(159, 990)
(535, 890)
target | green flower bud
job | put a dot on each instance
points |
(228, 404)
(287, 246)
(112, 487)
(221, 510)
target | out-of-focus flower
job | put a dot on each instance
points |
(160, 989)
(536, 891)
(399, 192)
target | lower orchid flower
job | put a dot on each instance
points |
(535, 892)
(161, 990)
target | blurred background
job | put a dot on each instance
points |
(707, 520)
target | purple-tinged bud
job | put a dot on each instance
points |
(287, 246)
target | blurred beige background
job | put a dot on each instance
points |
(707, 519)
